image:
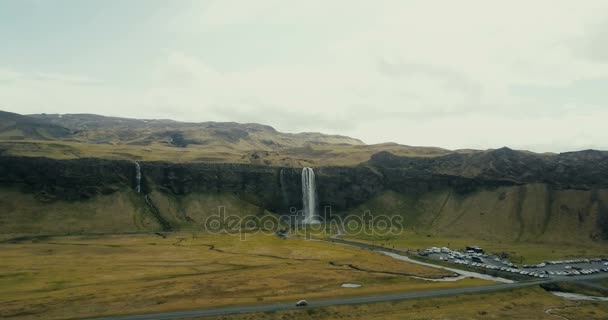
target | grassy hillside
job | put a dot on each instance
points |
(189, 212)
(17, 127)
(120, 212)
(503, 217)
(310, 155)
(97, 129)
(531, 223)
(532, 212)
(85, 135)
(23, 213)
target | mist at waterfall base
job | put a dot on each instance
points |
(309, 196)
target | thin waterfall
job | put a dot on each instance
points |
(137, 177)
(309, 196)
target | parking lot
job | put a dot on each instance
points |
(475, 257)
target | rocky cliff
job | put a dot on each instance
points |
(532, 194)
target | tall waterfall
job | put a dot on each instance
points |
(137, 177)
(309, 196)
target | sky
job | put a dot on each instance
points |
(455, 74)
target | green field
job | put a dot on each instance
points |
(85, 276)
(528, 304)
(216, 152)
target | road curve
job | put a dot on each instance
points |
(336, 301)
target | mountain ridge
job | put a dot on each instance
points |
(188, 170)
(100, 129)
(97, 136)
(16, 126)
(80, 122)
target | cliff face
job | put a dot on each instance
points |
(65, 179)
(572, 170)
(503, 194)
(533, 194)
(276, 189)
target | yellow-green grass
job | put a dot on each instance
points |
(528, 213)
(85, 276)
(528, 303)
(602, 282)
(518, 251)
(347, 155)
(154, 152)
(535, 231)
(193, 211)
(219, 152)
(120, 212)
(123, 211)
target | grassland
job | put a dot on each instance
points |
(83, 276)
(156, 152)
(76, 136)
(529, 303)
(602, 282)
(120, 212)
(312, 154)
(528, 228)
(23, 213)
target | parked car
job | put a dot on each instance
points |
(477, 259)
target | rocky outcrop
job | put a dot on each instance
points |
(66, 179)
(572, 170)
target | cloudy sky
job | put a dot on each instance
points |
(456, 74)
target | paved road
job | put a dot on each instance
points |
(338, 301)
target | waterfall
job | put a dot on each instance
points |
(309, 197)
(137, 177)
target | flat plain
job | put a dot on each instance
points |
(84, 276)
(526, 304)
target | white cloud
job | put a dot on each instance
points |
(415, 72)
